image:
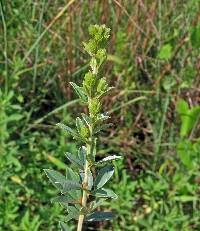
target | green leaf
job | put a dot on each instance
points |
(102, 86)
(60, 182)
(89, 83)
(79, 91)
(182, 107)
(74, 159)
(102, 127)
(70, 185)
(68, 129)
(105, 193)
(82, 128)
(98, 202)
(82, 152)
(86, 119)
(183, 110)
(78, 159)
(64, 200)
(94, 107)
(102, 117)
(100, 216)
(109, 158)
(56, 178)
(79, 124)
(101, 56)
(71, 175)
(184, 151)
(194, 114)
(73, 213)
(64, 226)
(165, 52)
(195, 36)
(103, 176)
(189, 117)
(99, 32)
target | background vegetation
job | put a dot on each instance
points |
(153, 63)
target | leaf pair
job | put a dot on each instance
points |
(104, 193)
(78, 159)
(60, 181)
(81, 134)
(80, 92)
(96, 216)
(69, 130)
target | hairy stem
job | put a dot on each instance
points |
(85, 185)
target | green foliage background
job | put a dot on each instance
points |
(153, 62)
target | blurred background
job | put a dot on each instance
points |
(153, 62)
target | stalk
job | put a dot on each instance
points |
(90, 148)
(84, 198)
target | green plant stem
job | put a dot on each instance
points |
(80, 222)
(90, 156)
(85, 185)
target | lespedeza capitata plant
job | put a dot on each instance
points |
(82, 191)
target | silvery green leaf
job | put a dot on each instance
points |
(98, 202)
(86, 119)
(74, 159)
(110, 158)
(103, 176)
(71, 175)
(68, 129)
(73, 213)
(56, 178)
(103, 117)
(102, 127)
(105, 193)
(79, 158)
(79, 124)
(103, 94)
(100, 216)
(64, 200)
(64, 226)
(70, 185)
(78, 207)
(79, 91)
(82, 152)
